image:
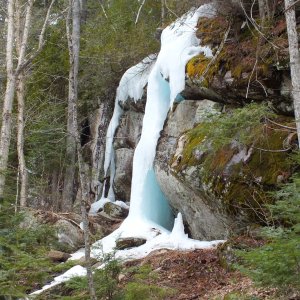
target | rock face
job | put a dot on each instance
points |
(203, 221)
(122, 182)
(219, 191)
(126, 139)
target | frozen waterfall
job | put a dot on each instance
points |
(149, 210)
(150, 216)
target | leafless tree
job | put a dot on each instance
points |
(73, 35)
(290, 16)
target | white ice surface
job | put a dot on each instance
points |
(132, 86)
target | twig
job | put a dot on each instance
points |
(255, 26)
(280, 125)
(139, 11)
(269, 150)
(291, 5)
(24, 63)
(249, 81)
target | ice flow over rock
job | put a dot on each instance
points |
(150, 216)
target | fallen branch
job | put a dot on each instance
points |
(271, 150)
(280, 125)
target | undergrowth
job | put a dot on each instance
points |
(24, 264)
(108, 284)
(277, 263)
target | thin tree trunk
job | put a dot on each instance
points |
(264, 10)
(8, 98)
(68, 192)
(290, 16)
(55, 190)
(20, 139)
(84, 203)
(74, 47)
(163, 13)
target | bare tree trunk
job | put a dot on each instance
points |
(264, 10)
(84, 204)
(290, 16)
(8, 98)
(68, 192)
(84, 11)
(20, 139)
(163, 13)
(55, 190)
(74, 47)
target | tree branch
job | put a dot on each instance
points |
(22, 64)
(139, 11)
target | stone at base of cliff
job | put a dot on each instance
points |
(69, 235)
(125, 243)
(115, 211)
(205, 222)
(58, 256)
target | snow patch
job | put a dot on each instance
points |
(76, 271)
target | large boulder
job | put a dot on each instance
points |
(220, 191)
(115, 211)
(203, 221)
(69, 234)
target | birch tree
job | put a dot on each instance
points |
(73, 35)
(290, 16)
(17, 38)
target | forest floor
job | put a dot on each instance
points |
(198, 274)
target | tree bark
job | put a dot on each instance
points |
(290, 16)
(20, 139)
(73, 40)
(163, 13)
(8, 98)
(264, 10)
(73, 131)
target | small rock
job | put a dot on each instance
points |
(97, 265)
(81, 261)
(125, 243)
(58, 256)
(121, 277)
(114, 210)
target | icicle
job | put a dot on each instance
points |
(132, 86)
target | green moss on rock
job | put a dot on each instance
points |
(240, 175)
